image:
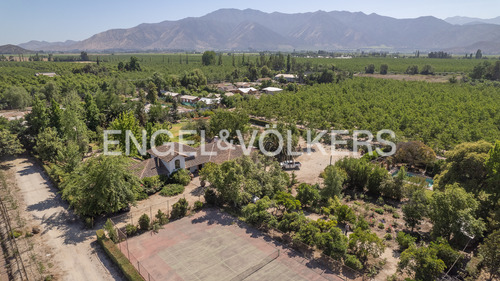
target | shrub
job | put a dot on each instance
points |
(181, 176)
(118, 257)
(353, 262)
(379, 211)
(396, 215)
(130, 229)
(161, 217)
(179, 209)
(427, 70)
(211, 197)
(405, 240)
(89, 222)
(412, 70)
(388, 236)
(345, 214)
(172, 190)
(388, 208)
(370, 69)
(16, 234)
(362, 223)
(144, 222)
(380, 201)
(152, 184)
(383, 69)
(110, 228)
(198, 205)
(381, 226)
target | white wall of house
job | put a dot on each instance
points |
(171, 165)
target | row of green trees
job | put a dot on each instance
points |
(440, 115)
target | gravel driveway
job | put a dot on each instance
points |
(73, 248)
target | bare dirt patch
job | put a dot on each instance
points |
(316, 161)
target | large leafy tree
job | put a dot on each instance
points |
(48, 145)
(38, 119)
(490, 251)
(9, 143)
(73, 126)
(453, 213)
(55, 115)
(333, 242)
(292, 222)
(416, 209)
(237, 181)
(257, 213)
(492, 186)
(208, 58)
(287, 201)
(376, 177)
(92, 114)
(333, 180)
(393, 186)
(127, 121)
(358, 171)
(364, 243)
(422, 262)
(307, 194)
(415, 153)
(466, 165)
(15, 97)
(232, 121)
(193, 79)
(104, 184)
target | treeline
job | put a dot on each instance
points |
(487, 71)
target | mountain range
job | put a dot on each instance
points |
(243, 30)
(469, 21)
(12, 49)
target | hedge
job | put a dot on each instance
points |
(118, 257)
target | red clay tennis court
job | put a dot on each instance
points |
(212, 245)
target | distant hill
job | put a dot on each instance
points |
(13, 49)
(42, 45)
(243, 30)
(467, 20)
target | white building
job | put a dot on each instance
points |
(287, 77)
(272, 90)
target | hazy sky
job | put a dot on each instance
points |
(58, 20)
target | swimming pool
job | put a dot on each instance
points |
(430, 181)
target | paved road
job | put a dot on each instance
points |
(73, 246)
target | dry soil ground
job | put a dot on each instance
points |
(315, 162)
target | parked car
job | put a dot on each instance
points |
(290, 165)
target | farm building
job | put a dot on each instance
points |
(272, 90)
(189, 100)
(287, 77)
(249, 91)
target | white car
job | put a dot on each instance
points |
(290, 164)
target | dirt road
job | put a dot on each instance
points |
(73, 249)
